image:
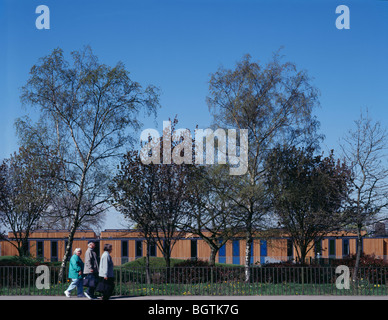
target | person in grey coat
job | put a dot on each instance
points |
(106, 282)
(91, 270)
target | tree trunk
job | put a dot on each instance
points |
(301, 251)
(213, 253)
(61, 275)
(358, 255)
(23, 248)
(303, 255)
(248, 254)
(167, 259)
(212, 263)
(148, 271)
(74, 225)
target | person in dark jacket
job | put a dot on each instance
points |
(91, 270)
(75, 274)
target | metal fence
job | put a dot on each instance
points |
(181, 281)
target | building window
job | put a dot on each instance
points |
(139, 248)
(332, 253)
(152, 249)
(54, 251)
(193, 249)
(263, 251)
(318, 248)
(290, 250)
(124, 251)
(345, 248)
(222, 253)
(236, 251)
(40, 250)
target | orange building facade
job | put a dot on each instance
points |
(49, 245)
(129, 245)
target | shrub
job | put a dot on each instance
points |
(288, 271)
(14, 261)
(199, 271)
(365, 261)
(192, 263)
(191, 271)
(371, 269)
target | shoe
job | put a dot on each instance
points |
(81, 296)
(87, 296)
(67, 294)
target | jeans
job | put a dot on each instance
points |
(76, 283)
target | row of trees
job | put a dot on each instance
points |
(89, 113)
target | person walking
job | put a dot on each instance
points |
(106, 283)
(91, 270)
(75, 274)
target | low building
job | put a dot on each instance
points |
(129, 245)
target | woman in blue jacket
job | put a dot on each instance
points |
(75, 274)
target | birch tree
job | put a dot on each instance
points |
(365, 150)
(88, 112)
(275, 103)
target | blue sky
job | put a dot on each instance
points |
(176, 44)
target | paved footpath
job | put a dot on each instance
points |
(209, 298)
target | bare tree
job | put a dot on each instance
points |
(154, 195)
(26, 190)
(275, 103)
(213, 216)
(133, 194)
(88, 112)
(60, 214)
(364, 149)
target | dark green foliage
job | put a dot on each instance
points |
(308, 194)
